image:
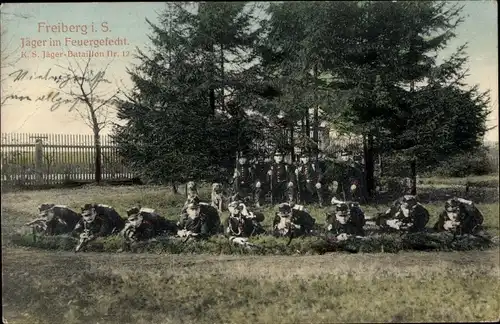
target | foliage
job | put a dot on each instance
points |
(176, 131)
(268, 245)
(372, 71)
(476, 162)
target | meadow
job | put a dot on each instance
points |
(207, 286)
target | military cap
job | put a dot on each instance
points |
(284, 209)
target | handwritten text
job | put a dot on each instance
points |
(62, 81)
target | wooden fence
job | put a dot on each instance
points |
(47, 159)
(29, 159)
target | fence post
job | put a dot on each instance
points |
(39, 160)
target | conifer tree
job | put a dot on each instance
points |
(179, 127)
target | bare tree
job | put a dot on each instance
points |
(95, 103)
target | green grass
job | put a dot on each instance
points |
(490, 180)
(204, 284)
(148, 288)
(268, 245)
(20, 206)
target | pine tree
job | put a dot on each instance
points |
(175, 131)
(381, 62)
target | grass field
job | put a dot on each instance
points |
(41, 286)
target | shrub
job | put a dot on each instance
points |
(465, 164)
(268, 245)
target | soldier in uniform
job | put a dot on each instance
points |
(243, 178)
(281, 180)
(308, 177)
(200, 218)
(405, 214)
(459, 216)
(262, 180)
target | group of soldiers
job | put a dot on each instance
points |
(199, 219)
(288, 187)
(277, 181)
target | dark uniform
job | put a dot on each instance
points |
(152, 224)
(288, 216)
(262, 180)
(345, 217)
(106, 221)
(57, 219)
(243, 178)
(281, 180)
(206, 222)
(460, 216)
(405, 214)
(308, 178)
(241, 222)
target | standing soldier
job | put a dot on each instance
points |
(262, 180)
(243, 178)
(308, 178)
(282, 183)
(357, 180)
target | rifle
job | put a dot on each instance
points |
(291, 229)
(291, 234)
(298, 186)
(271, 184)
(236, 179)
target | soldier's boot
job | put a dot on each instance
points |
(281, 193)
(307, 196)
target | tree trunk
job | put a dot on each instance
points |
(369, 164)
(175, 190)
(380, 165)
(212, 100)
(303, 126)
(292, 144)
(308, 134)
(316, 117)
(98, 157)
(222, 103)
(212, 81)
(413, 167)
(413, 163)
(316, 131)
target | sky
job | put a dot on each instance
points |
(125, 25)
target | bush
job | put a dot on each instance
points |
(268, 245)
(479, 162)
(395, 166)
(465, 164)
